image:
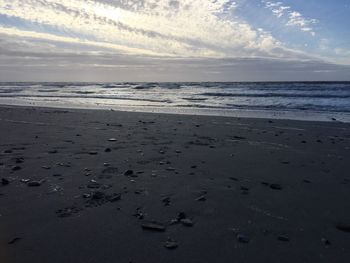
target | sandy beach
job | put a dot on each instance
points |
(109, 186)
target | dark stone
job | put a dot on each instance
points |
(171, 244)
(343, 227)
(128, 172)
(275, 186)
(5, 181)
(34, 183)
(243, 238)
(326, 242)
(16, 239)
(108, 150)
(181, 215)
(93, 185)
(153, 226)
(68, 211)
(16, 168)
(20, 160)
(166, 201)
(187, 222)
(114, 197)
(98, 195)
(283, 238)
(201, 198)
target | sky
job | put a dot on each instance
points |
(174, 40)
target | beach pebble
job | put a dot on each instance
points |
(243, 238)
(34, 183)
(171, 244)
(275, 186)
(187, 222)
(114, 197)
(201, 198)
(16, 168)
(343, 227)
(283, 238)
(153, 226)
(98, 195)
(128, 172)
(24, 180)
(166, 201)
(5, 181)
(16, 239)
(326, 242)
(93, 185)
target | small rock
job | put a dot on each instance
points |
(108, 150)
(201, 198)
(275, 186)
(5, 181)
(114, 198)
(34, 183)
(326, 242)
(243, 238)
(93, 153)
(153, 226)
(343, 227)
(16, 239)
(93, 185)
(24, 180)
(16, 168)
(283, 238)
(112, 140)
(181, 215)
(128, 172)
(98, 195)
(187, 222)
(166, 201)
(171, 244)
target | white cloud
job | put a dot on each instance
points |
(294, 18)
(186, 28)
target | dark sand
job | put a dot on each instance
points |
(255, 190)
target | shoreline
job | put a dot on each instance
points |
(102, 186)
(234, 113)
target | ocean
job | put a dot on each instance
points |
(327, 101)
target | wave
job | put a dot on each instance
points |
(269, 95)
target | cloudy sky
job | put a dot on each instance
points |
(174, 40)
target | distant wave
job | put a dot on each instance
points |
(262, 95)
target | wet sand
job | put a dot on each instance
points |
(108, 186)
